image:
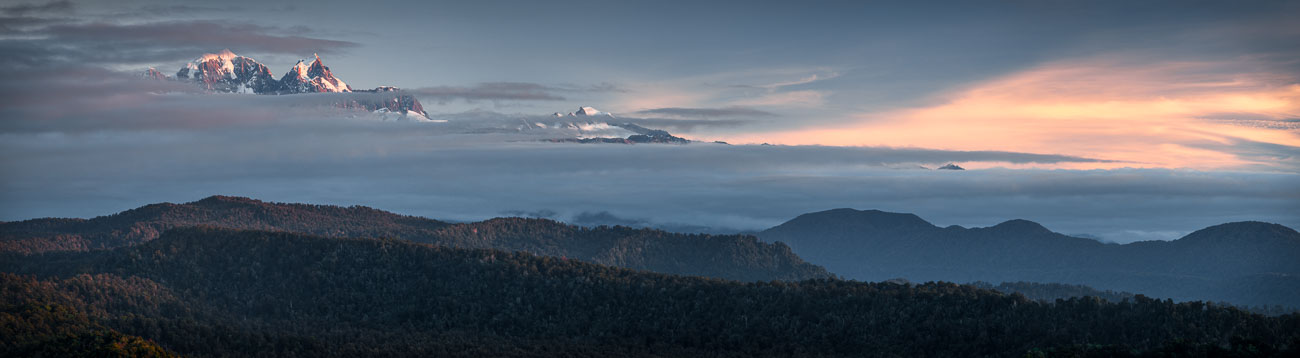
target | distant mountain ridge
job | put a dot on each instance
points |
(725, 256)
(1250, 263)
(228, 72)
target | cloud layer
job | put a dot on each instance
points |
(1209, 113)
(34, 39)
(1140, 114)
(120, 142)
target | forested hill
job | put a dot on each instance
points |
(1248, 263)
(221, 292)
(726, 256)
(147, 222)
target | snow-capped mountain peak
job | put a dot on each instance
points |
(223, 55)
(299, 70)
(153, 73)
(313, 77)
(227, 72)
(586, 112)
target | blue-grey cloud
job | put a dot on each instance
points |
(181, 9)
(82, 141)
(416, 168)
(33, 8)
(182, 146)
(52, 42)
(707, 112)
(492, 91)
(509, 91)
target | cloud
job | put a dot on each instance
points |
(677, 125)
(177, 9)
(801, 81)
(1159, 114)
(776, 88)
(805, 98)
(22, 24)
(106, 44)
(86, 141)
(49, 7)
(510, 91)
(198, 34)
(707, 112)
(431, 170)
(491, 91)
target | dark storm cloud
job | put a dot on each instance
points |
(708, 112)
(29, 8)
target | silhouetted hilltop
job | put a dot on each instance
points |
(1250, 263)
(726, 256)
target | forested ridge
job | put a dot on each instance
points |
(738, 257)
(217, 292)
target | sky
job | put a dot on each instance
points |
(1117, 119)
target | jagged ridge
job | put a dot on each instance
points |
(227, 72)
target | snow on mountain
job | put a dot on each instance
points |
(385, 97)
(385, 114)
(309, 78)
(585, 112)
(152, 73)
(590, 125)
(227, 72)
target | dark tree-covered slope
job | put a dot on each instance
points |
(1250, 263)
(221, 292)
(42, 319)
(726, 256)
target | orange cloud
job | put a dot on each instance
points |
(1174, 115)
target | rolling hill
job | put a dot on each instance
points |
(1249, 263)
(726, 256)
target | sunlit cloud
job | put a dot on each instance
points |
(1176, 114)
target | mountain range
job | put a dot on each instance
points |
(589, 119)
(228, 72)
(233, 276)
(734, 257)
(1250, 263)
(1247, 263)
